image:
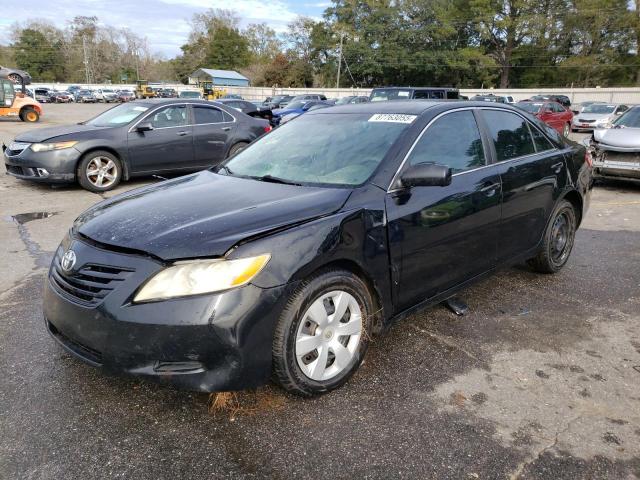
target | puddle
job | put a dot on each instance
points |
(22, 218)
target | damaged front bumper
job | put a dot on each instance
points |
(608, 163)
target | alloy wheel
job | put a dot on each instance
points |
(102, 172)
(566, 130)
(328, 335)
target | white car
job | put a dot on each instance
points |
(106, 95)
(597, 115)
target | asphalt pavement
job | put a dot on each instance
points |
(540, 379)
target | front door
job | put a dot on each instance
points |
(533, 174)
(169, 146)
(442, 236)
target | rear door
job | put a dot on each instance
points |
(533, 175)
(442, 236)
(169, 146)
(211, 132)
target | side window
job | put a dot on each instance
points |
(204, 114)
(421, 94)
(622, 108)
(558, 108)
(173, 116)
(510, 134)
(436, 94)
(541, 142)
(452, 140)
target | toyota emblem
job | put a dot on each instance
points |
(68, 260)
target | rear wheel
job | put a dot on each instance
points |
(558, 240)
(237, 148)
(99, 171)
(29, 114)
(566, 129)
(322, 334)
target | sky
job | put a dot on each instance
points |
(165, 23)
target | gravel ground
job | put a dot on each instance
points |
(541, 379)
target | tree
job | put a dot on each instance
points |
(227, 49)
(263, 42)
(35, 54)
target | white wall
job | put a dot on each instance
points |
(621, 95)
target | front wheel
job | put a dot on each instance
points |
(99, 171)
(29, 114)
(558, 240)
(323, 333)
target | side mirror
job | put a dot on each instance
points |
(144, 127)
(426, 175)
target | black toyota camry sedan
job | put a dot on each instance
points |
(134, 139)
(284, 260)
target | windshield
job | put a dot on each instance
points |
(118, 116)
(344, 150)
(530, 107)
(85, 92)
(295, 105)
(391, 94)
(189, 94)
(599, 108)
(629, 119)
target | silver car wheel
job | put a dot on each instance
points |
(102, 172)
(329, 335)
(565, 132)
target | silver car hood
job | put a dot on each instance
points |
(627, 138)
(594, 116)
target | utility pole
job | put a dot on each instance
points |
(137, 62)
(86, 59)
(339, 60)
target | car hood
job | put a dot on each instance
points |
(618, 137)
(43, 134)
(203, 215)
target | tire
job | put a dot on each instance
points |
(237, 148)
(558, 240)
(29, 114)
(99, 161)
(565, 130)
(308, 322)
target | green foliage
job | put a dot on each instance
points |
(41, 58)
(461, 43)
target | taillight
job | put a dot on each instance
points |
(268, 128)
(588, 159)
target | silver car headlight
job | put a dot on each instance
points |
(201, 276)
(46, 147)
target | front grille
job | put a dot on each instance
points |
(92, 355)
(16, 148)
(90, 284)
(584, 120)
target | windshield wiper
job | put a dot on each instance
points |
(224, 167)
(272, 179)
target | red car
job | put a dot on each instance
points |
(551, 113)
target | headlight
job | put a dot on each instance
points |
(46, 147)
(201, 276)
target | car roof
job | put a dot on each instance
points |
(169, 101)
(408, 107)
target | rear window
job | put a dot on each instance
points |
(531, 107)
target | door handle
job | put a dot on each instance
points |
(490, 189)
(226, 129)
(556, 167)
(183, 133)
